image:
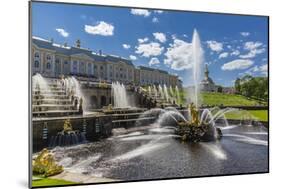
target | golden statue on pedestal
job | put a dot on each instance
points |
(194, 115)
(44, 164)
(67, 126)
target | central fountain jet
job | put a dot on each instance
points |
(193, 129)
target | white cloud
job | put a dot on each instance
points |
(256, 69)
(228, 46)
(215, 46)
(184, 35)
(102, 28)
(132, 57)
(159, 11)
(149, 49)
(238, 64)
(235, 53)
(143, 40)
(253, 48)
(250, 45)
(179, 55)
(126, 46)
(153, 61)
(140, 12)
(263, 69)
(155, 20)
(174, 36)
(160, 37)
(245, 34)
(62, 32)
(223, 55)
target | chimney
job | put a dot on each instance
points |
(65, 44)
(78, 43)
(100, 52)
(52, 40)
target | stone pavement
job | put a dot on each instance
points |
(81, 178)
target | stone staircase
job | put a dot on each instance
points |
(158, 98)
(53, 100)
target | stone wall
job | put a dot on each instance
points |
(94, 128)
(97, 97)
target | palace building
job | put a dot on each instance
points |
(55, 60)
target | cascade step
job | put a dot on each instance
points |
(54, 113)
(52, 101)
(48, 107)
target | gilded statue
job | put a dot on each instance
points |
(44, 164)
(194, 114)
(67, 126)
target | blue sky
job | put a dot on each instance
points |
(233, 45)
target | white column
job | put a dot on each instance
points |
(78, 66)
(41, 59)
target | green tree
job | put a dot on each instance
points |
(237, 85)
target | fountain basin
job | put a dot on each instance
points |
(194, 133)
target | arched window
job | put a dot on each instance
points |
(57, 60)
(89, 68)
(36, 64)
(48, 65)
(82, 68)
(49, 57)
(36, 55)
(75, 66)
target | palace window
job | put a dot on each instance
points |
(57, 60)
(36, 55)
(65, 62)
(82, 67)
(36, 64)
(101, 67)
(89, 68)
(74, 66)
(48, 57)
(48, 65)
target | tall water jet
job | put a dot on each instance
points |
(40, 83)
(166, 94)
(178, 95)
(149, 91)
(197, 62)
(171, 91)
(119, 94)
(160, 89)
(155, 91)
(74, 88)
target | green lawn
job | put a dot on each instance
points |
(261, 115)
(50, 182)
(227, 99)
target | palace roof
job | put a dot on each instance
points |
(67, 50)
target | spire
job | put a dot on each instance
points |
(78, 43)
(206, 71)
